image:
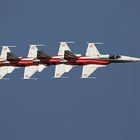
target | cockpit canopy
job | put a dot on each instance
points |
(114, 56)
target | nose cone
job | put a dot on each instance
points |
(135, 59)
(130, 59)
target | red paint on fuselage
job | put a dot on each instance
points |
(23, 62)
(1, 62)
(51, 61)
(80, 61)
(18, 63)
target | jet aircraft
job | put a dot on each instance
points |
(65, 60)
(91, 61)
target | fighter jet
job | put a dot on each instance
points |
(36, 61)
(64, 67)
(91, 61)
(9, 61)
(45, 60)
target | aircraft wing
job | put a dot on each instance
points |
(63, 47)
(61, 69)
(5, 70)
(92, 50)
(89, 69)
(32, 51)
(5, 50)
(29, 71)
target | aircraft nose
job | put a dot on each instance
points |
(134, 59)
(131, 59)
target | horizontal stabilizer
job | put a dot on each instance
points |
(42, 54)
(69, 55)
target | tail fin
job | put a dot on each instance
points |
(5, 50)
(42, 54)
(92, 50)
(69, 55)
(11, 56)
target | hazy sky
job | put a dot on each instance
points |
(72, 109)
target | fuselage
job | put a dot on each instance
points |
(80, 60)
(54, 60)
(101, 60)
(23, 62)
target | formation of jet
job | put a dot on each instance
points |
(64, 61)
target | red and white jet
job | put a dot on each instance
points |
(35, 61)
(91, 61)
(44, 60)
(9, 62)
